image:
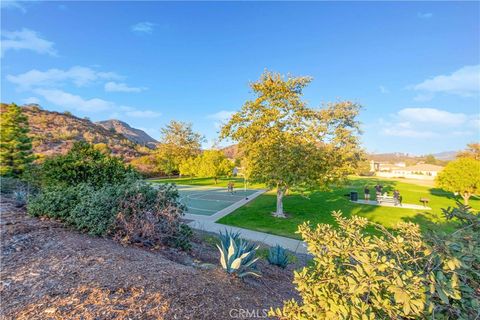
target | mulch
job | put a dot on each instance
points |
(49, 271)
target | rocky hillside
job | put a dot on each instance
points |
(55, 133)
(136, 135)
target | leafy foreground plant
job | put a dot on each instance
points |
(237, 256)
(462, 249)
(278, 256)
(391, 276)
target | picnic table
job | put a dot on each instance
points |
(424, 201)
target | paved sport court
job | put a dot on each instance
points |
(207, 201)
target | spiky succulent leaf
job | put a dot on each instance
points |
(222, 257)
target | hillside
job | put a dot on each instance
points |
(55, 133)
(446, 155)
(135, 135)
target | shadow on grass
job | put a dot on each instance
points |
(427, 225)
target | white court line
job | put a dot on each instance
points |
(200, 209)
(204, 194)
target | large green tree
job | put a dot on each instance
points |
(461, 176)
(288, 145)
(214, 163)
(178, 142)
(15, 145)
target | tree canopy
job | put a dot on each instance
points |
(15, 145)
(288, 145)
(461, 176)
(85, 164)
(211, 163)
(178, 142)
(472, 151)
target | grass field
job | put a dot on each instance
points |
(256, 215)
(222, 182)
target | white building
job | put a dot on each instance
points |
(421, 171)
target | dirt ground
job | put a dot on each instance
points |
(49, 271)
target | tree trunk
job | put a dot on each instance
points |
(215, 179)
(465, 197)
(279, 213)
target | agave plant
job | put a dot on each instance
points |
(278, 256)
(237, 256)
(20, 198)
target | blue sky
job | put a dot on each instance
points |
(414, 66)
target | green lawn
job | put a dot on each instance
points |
(256, 215)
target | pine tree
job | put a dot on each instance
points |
(15, 145)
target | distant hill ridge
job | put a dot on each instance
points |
(55, 132)
(135, 135)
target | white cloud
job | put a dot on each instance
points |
(432, 116)
(427, 123)
(383, 89)
(12, 4)
(121, 87)
(80, 76)
(143, 27)
(424, 15)
(408, 133)
(220, 117)
(26, 39)
(31, 100)
(76, 102)
(463, 82)
(71, 101)
(143, 114)
(223, 115)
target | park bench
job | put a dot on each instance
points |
(386, 199)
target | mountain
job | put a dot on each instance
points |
(136, 135)
(231, 152)
(393, 157)
(446, 155)
(55, 132)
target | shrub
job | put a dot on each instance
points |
(20, 198)
(10, 185)
(84, 164)
(278, 256)
(132, 212)
(141, 219)
(237, 256)
(96, 208)
(55, 202)
(359, 276)
(461, 251)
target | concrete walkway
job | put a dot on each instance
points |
(389, 204)
(208, 223)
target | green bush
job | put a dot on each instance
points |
(461, 251)
(392, 276)
(84, 164)
(96, 209)
(132, 212)
(55, 202)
